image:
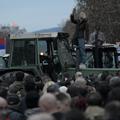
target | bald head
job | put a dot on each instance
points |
(3, 103)
(41, 116)
(48, 103)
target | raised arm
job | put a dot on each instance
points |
(72, 18)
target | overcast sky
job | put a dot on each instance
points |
(35, 14)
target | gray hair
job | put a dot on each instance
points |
(41, 116)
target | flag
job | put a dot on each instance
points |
(2, 46)
(2, 43)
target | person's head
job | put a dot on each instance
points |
(103, 88)
(82, 15)
(48, 103)
(64, 101)
(94, 99)
(112, 111)
(54, 88)
(114, 94)
(74, 114)
(41, 116)
(47, 84)
(73, 91)
(114, 82)
(78, 74)
(80, 82)
(63, 89)
(19, 76)
(46, 79)
(3, 104)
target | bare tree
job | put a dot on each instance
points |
(105, 13)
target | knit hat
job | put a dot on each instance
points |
(63, 89)
(78, 74)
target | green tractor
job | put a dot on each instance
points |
(49, 53)
(39, 54)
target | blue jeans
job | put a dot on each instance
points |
(81, 54)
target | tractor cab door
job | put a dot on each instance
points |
(47, 56)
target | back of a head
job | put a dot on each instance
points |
(114, 94)
(78, 74)
(63, 97)
(47, 84)
(63, 89)
(29, 78)
(19, 76)
(74, 114)
(112, 111)
(3, 103)
(80, 82)
(114, 82)
(46, 78)
(41, 116)
(94, 99)
(54, 88)
(103, 88)
(64, 102)
(73, 91)
(48, 102)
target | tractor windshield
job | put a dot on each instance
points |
(23, 52)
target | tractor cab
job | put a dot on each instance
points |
(36, 50)
(37, 53)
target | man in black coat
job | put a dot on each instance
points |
(81, 35)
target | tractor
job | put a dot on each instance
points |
(38, 54)
(49, 53)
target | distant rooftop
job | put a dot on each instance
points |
(55, 29)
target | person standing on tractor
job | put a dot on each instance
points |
(81, 35)
(97, 39)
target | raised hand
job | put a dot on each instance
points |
(74, 11)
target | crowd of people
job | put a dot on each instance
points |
(95, 97)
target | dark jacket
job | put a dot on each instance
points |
(82, 28)
(16, 115)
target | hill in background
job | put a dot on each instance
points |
(55, 29)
